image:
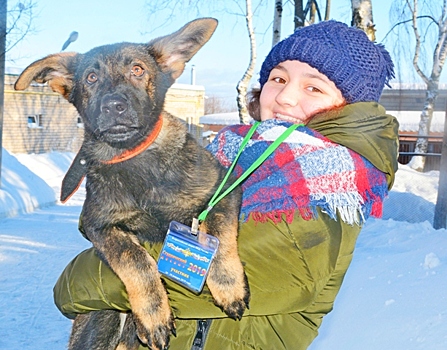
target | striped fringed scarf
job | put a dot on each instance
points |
(307, 171)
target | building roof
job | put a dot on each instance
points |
(410, 99)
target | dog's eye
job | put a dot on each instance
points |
(92, 78)
(138, 71)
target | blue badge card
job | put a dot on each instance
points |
(186, 256)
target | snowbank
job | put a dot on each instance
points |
(22, 189)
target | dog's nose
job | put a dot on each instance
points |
(113, 105)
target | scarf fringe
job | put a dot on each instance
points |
(348, 205)
(351, 207)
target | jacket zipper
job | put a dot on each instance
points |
(203, 327)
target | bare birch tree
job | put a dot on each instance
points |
(174, 6)
(277, 17)
(310, 10)
(19, 22)
(313, 10)
(3, 29)
(242, 85)
(362, 17)
(299, 18)
(15, 24)
(428, 23)
(215, 104)
(327, 13)
(440, 217)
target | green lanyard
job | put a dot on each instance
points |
(216, 198)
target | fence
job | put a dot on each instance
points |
(407, 145)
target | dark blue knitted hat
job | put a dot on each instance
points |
(358, 67)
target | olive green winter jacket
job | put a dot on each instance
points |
(294, 270)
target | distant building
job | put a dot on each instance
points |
(212, 123)
(407, 104)
(38, 120)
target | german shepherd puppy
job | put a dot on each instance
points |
(143, 171)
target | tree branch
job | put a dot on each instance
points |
(406, 21)
(18, 28)
(417, 49)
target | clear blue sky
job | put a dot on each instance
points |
(220, 63)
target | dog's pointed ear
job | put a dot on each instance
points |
(174, 50)
(57, 70)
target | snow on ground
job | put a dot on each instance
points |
(394, 295)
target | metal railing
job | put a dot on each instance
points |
(407, 143)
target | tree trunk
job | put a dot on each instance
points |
(277, 22)
(312, 12)
(432, 81)
(362, 17)
(298, 18)
(418, 162)
(440, 218)
(3, 10)
(242, 85)
(327, 14)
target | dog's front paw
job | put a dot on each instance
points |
(155, 330)
(229, 289)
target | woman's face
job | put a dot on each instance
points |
(295, 92)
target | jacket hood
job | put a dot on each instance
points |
(367, 129)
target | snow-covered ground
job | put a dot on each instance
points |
(394, 295)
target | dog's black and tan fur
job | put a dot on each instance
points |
(119, 92)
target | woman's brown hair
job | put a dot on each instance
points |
(253, 104)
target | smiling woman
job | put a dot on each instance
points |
(295, 91)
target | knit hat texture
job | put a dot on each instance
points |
(358, 67)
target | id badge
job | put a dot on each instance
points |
(186, 256)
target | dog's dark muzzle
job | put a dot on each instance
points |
(117, 121)
(113, 106)
(116, 117)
